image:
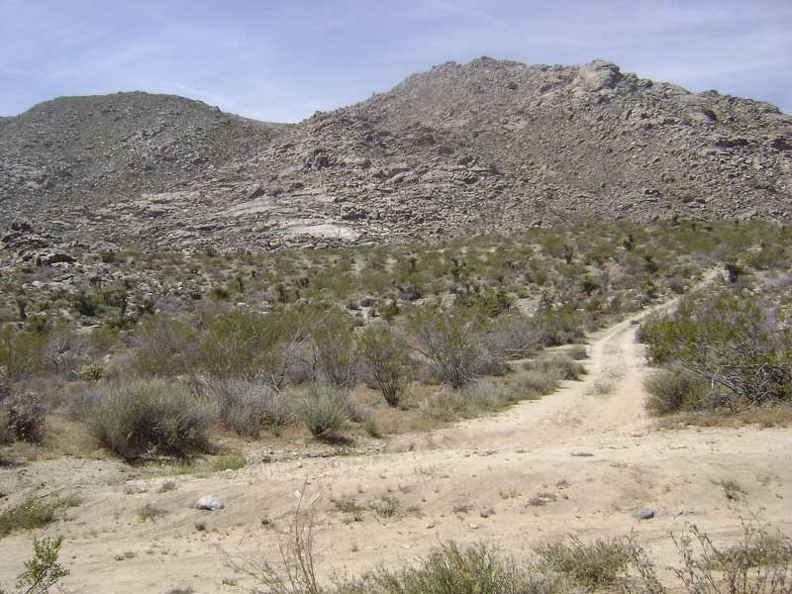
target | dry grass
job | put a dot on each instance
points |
(763, 416)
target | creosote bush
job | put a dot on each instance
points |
(736, 344)
(148, 418)
(454, 341)
(386, 356)
(334, 343)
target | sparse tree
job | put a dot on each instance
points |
(454, 341)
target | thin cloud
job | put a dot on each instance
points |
(284, 60)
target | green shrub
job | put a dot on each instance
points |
(324, 409)
(6, 434)
(736, 343)
(86, 304)
(334, 342)
(150, 418)
(34, 512)
(165, 346)
(489, 301)
(557, 327)
(233, 461)
(454, 342)
(237, 344)
(386, 356)
(43, 569)
(22, 351)
(591, 566)
(450, 569)
(673, 390)
(91, 372)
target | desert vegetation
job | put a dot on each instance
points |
(759, 563)
(156, 350)
(724, 349)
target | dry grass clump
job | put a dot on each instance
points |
(247, 407)
(325, 410)
(770, 415)
(147, 418)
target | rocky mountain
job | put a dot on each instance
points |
(489, 145)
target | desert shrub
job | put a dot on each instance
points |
(577, 352)
(165, 346)
(22, 351)
(514, 335)
(536, 383)
(738, 344)
(450, 569)
(454, 342)
(78, 403)
(591, 566)
(673, 390)
(324, 409)
(560, 365)
(760, 563)
(478, 396)
(147, 418)
(42, 570)
(236, 344)
(33, 513)
(386, 356)
(86, 304)
(557, 327)
(23, 414)
(247, 408)
(63, 350)
(6, 434)
(91, 372)
(296, 573)
(334, 341)
(487, 300)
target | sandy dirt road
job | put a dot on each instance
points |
(581, 461)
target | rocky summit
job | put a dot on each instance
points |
(486, 146)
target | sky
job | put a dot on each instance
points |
(282, 60)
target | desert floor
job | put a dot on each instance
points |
(579, 462)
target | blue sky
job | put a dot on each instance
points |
(281, 60)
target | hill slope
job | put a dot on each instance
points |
(490, 145)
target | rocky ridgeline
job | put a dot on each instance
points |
(490, 145)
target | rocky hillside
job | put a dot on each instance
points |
(65, 159)
(490, 145)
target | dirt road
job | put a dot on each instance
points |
(582, 461)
